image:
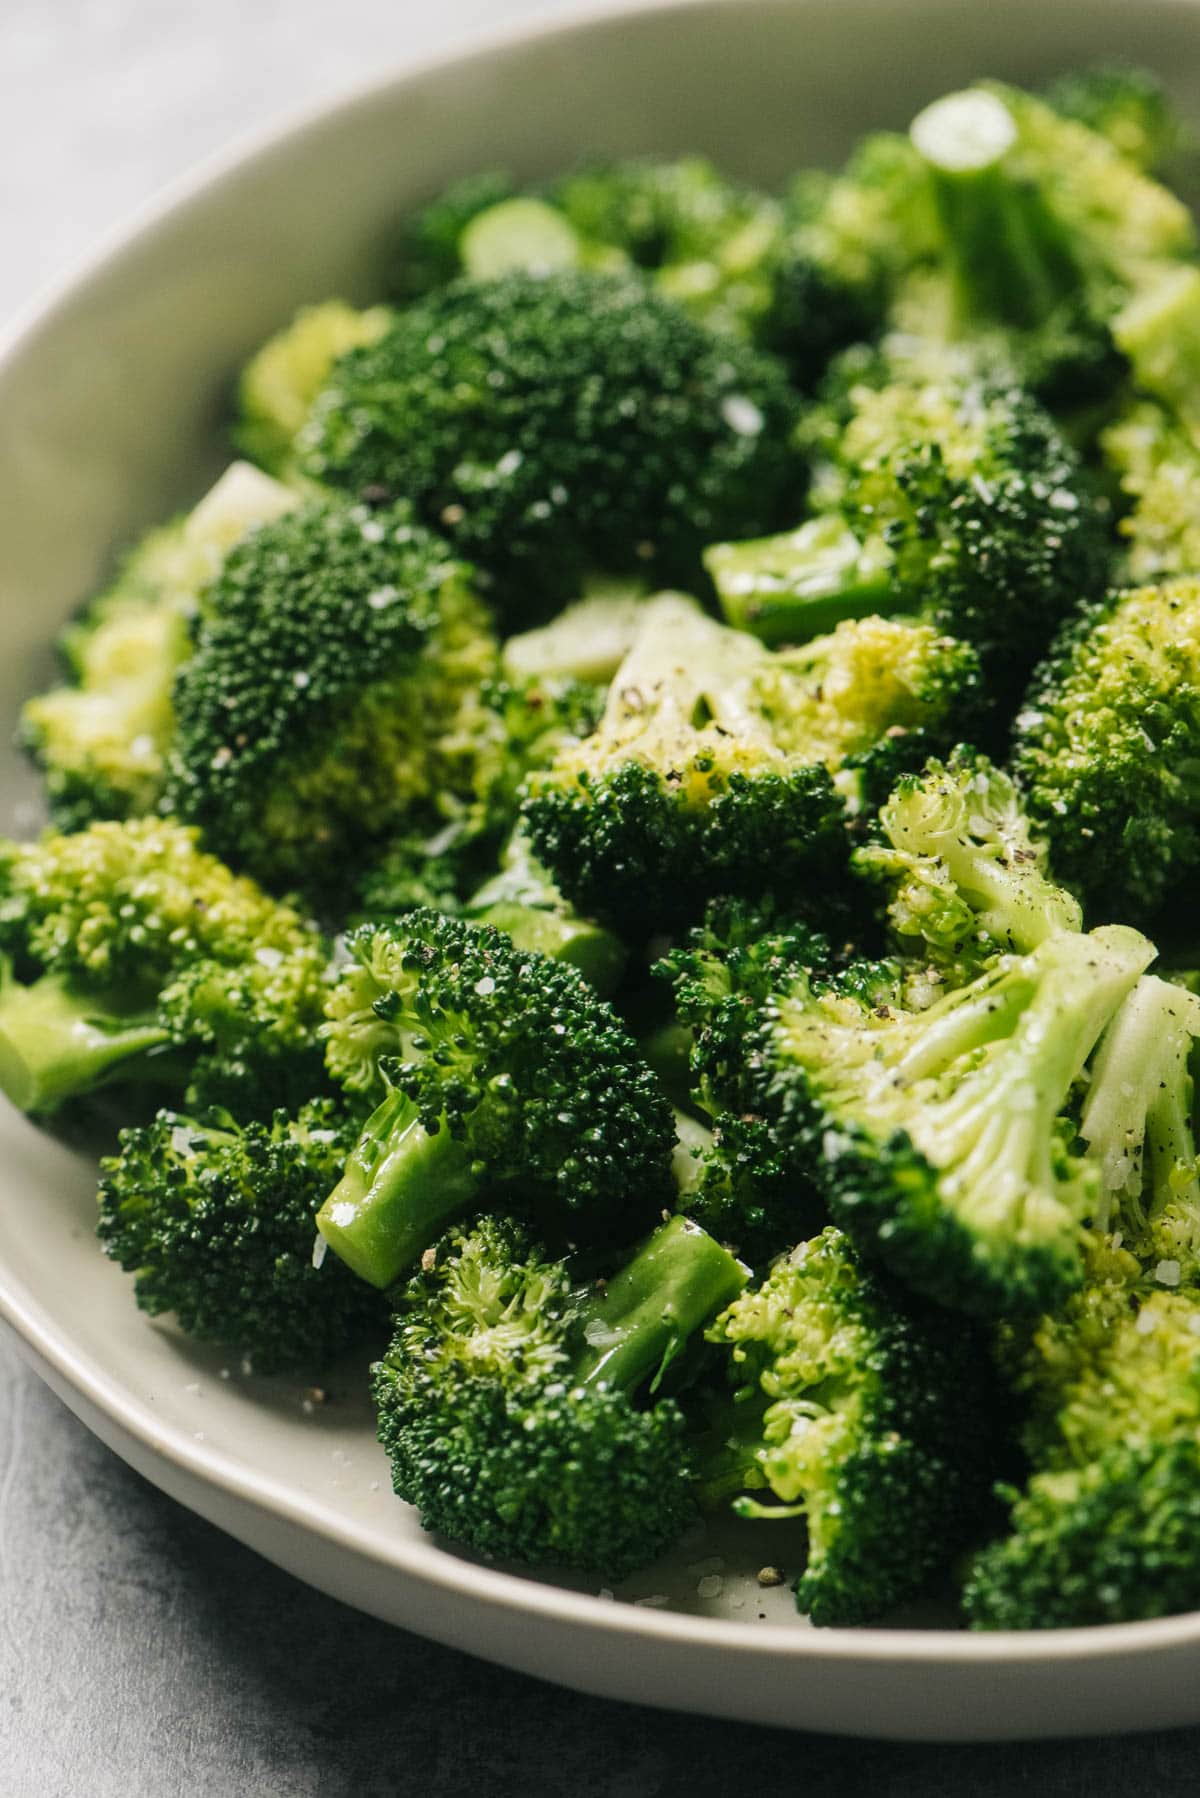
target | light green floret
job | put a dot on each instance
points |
(939, 1137)
(280, 383)
(1158, 465)
(100, 741)
(966, 875)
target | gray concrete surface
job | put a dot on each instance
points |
(143, 1654)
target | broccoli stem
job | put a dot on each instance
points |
(56, 1042)
(679, 1279)
(596, 952)
(802, 583)
(1010, 258)
(401, 1187)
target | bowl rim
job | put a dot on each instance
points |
(423, 1559)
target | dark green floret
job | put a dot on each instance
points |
(552, 426)
(719, 767)
(520, 1406)
(965, 875)
(332, 696)
(938, 1136)
(1107, 749)
(495, 1070)
(217, 1221)
(868, 1420)
(1107, 1527)
(132, 957)
(942, 494)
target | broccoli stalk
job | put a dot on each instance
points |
(57, 1040)
(511, 1399)
(506, 1070)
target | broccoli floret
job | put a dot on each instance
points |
(100, 741)
(721, 767)
(1158, 465)
(509, 1399)
(965, 875)
(944, 495)
(938, 1137)
(1126, 104)
(217, 1221)
(497, 1069)
(556, 425)
(333, 693)
(1040, 213)
(866, 1419)
(1106, 747)
(278, 385)
(132, 956)
(1106, 1528)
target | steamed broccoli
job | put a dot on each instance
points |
(1049, 232)
(508, 1401)
(1107, 1525)
(720, 767)
(939, 1136)
(218, 1220)
(966, 876)
(559, 424)
(942, 494)
(495, 1069)
(1106, 748)
(523, 902)
(130, 955)
(869, 1420)
(333, 695)
(100, 741)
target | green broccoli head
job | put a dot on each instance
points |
(943, 491)
(100, 740)
(333, 692)
(1127, 105)
(551, 425)
(133, 955)
(508, 1399)
(217, 1221)
(495, 1069)
(965, 876)
(939, 1136)
(1106, 748)
(719, 767)
(863, 1417)
(1105, 1529)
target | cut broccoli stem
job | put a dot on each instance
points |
(802, 583)
(401, 1187)
(1010, 257)
(596, 952)
(646, 1313)
(56, 1042)
(518, 234)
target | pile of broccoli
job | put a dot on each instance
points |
(617, 865)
